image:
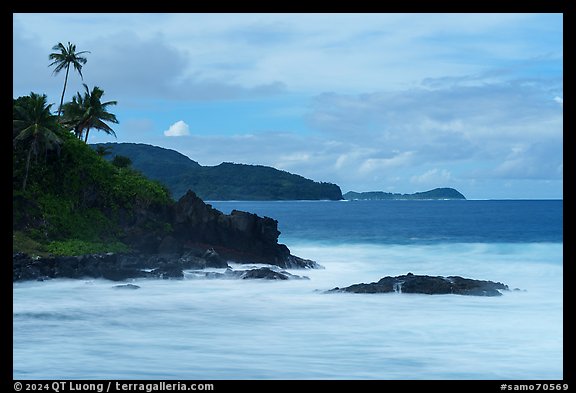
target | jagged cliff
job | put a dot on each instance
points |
(241, 237)
(200, 237)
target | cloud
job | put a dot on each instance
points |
(559, 100)
(433, 177)
(178, 129)
(395, 140)
(153, 68)
(308, 52)
(382, 164)
(455, 124)
(466, 136)
(30, 67)
(531, 161)
(133, 69)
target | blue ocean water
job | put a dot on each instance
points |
(236, 329)
(413, 222)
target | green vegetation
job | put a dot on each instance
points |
(86, 112)
(121, 162)
(78, 247)
(75, 201)
(226, 181)
(24, 243)
(67, 199)
(437, 193)
(35, 128)
(229, 181)
(102, 151)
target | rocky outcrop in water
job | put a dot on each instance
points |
(267, 273)
(197, 229)
(126, 286)
(430, 285)
(239, 236)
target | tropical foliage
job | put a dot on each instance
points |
(67, 199)
(121, 161)
(87, 111)
(35, 129)
(62, 59)
(78, 198)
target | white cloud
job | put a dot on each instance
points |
(287, 161)
(532, 161)
(310, 52)
(434, 177)
(559, 100)
(178, 129)
(382, 164)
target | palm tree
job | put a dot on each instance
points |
(74, 114)
(63, 59)
(34, 125)
(88, 111)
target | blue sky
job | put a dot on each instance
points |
(393, 102)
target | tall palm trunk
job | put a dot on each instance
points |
(63, 91)
(27, 169)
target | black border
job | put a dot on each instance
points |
(390, 6)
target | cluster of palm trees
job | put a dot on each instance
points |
(37, 128)
(84, 111)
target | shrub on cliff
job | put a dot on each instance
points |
(77, 195)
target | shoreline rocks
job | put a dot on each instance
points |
(122, 267)
(166, 241)
(430, 285)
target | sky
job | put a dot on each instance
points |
(372, 102)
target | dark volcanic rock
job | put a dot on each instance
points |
(121, 267)
(294, 262)
(431, 285)
(198, 258)
(171, 269)
(264, 272)
(467, 286)
(107, 266)
(239, 236)
(126, 286)
(213, 259)
(269, 274)
(169, 245)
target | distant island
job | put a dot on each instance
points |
(436, 194)
(227, 181)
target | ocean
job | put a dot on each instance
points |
(220, 329)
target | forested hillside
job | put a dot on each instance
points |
(227, 181)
